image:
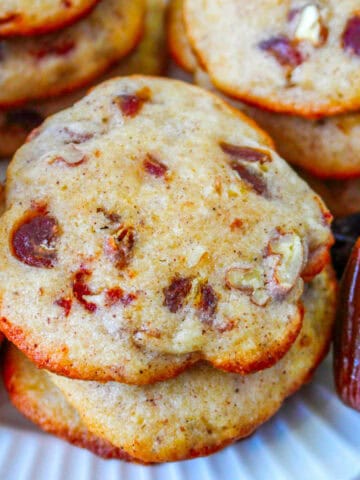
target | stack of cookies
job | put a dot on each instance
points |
(293, 66)
(165, 276)
(51, 50)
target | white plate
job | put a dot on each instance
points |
(314, 436)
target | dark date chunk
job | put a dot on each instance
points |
(81, 289)
(176, 293)
(65, 304)
(252, 178)
(283, 50)
(246, 154)
(154, 167)
(33, 240)
(119, 247)
(207, 304)
(347, 334)
(346, 231)
(351, 36)
(131, 104)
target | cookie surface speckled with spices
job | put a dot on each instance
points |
(293, 56)
(21, 17)
(152, 223)
(53, 64)
(203, 410)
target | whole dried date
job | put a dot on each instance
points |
(347, 334)
(346, 230)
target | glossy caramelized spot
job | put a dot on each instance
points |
(65, 304)
(34, 238)
(247, 154)
(81, 289)
(351, 36)
(131, 104)
(176, 293)
(283, 50)
(207, 303)
(154, 167)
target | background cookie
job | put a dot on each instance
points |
(203, 410)
(292, 56)
(328, 148)
(179, 46)
(21, 17)
(148, 58)
(192, 195)
(33, 393)
(40, 67)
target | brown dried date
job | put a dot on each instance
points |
(176, 292)
(283, 50)
(207, 303)
(33, 240)
(154, 167)
(246, 154)
(347, 334)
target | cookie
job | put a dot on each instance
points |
(342, 197)
(204, 409)
(53, 64)
(148, 58)
(33, 393)
(328, 148)
(179, 46)
(21, 17)
(153, 222)
(295, 57)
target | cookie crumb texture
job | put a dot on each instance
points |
(57, 63)
(293, 56)
(151, 226)
(21, 17)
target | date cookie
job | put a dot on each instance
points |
(148, 58)
(328, 148)
(203, 410)
(21, 17)
(153, 223)
(293, 56)
(53, 64)
(33, 393)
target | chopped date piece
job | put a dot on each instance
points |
(33, 240)
(154, 167)
(283, 50)
(81, 289)
(246, 154)
(176, 293)
(119, 247)
(24, 117)
(66, 304)
(117, 295)
(351, 36)
(61, 48)
(346, 230)
(252, 178)
(347, 334)
(131, 104)
(207, 303)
